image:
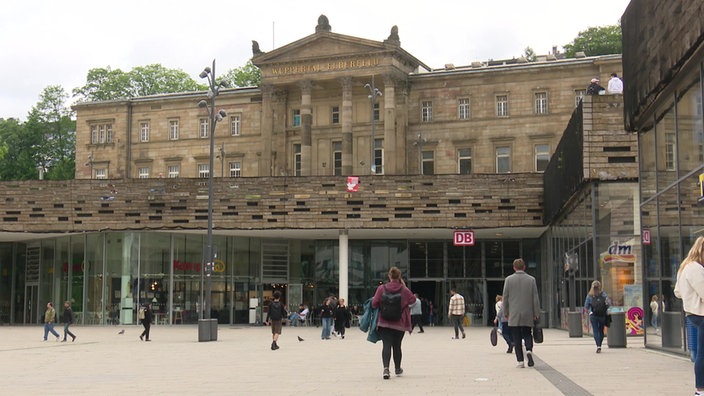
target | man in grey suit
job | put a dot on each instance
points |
(522, 308)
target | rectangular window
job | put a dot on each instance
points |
(542, 157)
(337, 158)
(503, 159)
(203, 128)
(463, 108)
(174, 171)
(296, 120)
(464, 161)
(297, 166)
(335, 114)
(502, 105)
(670, 156)
(235, 169)
(426, 111)
(376, 111)
(578, 95)
(203, 171)
(173, 130)
(235, 125)
(378, 156)
(101, 173)
(144, 131)
(143, 173)
(101, 133)
(427, 159)
(541, 103)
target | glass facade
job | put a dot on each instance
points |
(672, 214)
(106, 276)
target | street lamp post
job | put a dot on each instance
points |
(373, 93)
(215, 116)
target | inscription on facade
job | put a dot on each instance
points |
(318, 66)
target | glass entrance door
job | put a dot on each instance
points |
(32, 310)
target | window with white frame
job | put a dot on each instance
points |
(670, 151)
(464, 161)
(203, 130)
(463, 108)
(235, 169)
(235, 125)
(379, 156)
(503, 159)
(502, 105)
(144, 131)
(542, 157)
(541, 103)
(337, 158)
(173, 130)
(174, 171)
(376, 111)
(427, 159)
(297, 157)
(203, 171)
(426, 111)
(296, 118)
(578, 96)
(101, 133)
(335, 114)
(101, 173)
(143, 172)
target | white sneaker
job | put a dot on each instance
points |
(520, 365)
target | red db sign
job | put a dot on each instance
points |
(463, 238)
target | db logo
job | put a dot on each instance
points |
(464, 238)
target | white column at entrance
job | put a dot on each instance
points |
(344, 264)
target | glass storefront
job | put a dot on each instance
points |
(672, 214)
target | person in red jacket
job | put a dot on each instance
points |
(392, 331)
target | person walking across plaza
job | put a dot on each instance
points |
(67, 318)
(49, 321)
(456, 312)
(394, 318)
(501, 323)
(145, 317)
(416, 315)
(275, 317)
(597, 304)
(342, 317)
(690, 288)
(326, 318)
(522, 308)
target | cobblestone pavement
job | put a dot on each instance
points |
(240, 362)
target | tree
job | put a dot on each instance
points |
(594, 41)
(245, 76)
(108, 84)
(52, 134)
(16, 160)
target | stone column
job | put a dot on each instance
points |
(390, 149)
(344, 265)
(306, 125)
(346, 116)
(266, 165)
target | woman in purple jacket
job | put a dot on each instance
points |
(392, 331)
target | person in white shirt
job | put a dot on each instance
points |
(615, 84)
(690, 288)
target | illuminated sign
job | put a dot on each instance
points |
(463, 238)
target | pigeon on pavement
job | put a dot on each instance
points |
(300, 339)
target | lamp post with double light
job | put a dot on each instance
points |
(214, 117)
(373, 93)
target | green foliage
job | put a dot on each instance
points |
(529, 54)
(107, 84)
(594, 41)
(16, 159)
(245, 76)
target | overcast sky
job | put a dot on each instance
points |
(51, 42)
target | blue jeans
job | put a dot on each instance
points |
(327, 328)
(598, 324)
(698, 322)
(49, 327)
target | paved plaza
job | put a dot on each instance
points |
(240, 362)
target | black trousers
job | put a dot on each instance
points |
(391, 340)
(525, 334)
(147, 326)
(416, 320)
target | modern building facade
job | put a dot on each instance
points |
(352, 156)
(663, 61)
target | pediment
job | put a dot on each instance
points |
(318, 46)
